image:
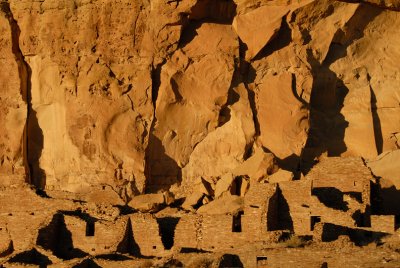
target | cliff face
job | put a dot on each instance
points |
(145, 96)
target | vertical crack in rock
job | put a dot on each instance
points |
(376, 122)
(156, 83)
(152, 140)
(32, 143)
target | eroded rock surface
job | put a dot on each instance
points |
(115, 99)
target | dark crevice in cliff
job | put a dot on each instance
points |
(33, 135)
(156, 82)
(296, 95)
(376, 123)
(155, 86)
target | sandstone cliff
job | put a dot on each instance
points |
(144, 96)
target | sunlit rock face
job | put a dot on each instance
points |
(149, 96)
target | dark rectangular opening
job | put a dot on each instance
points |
(262, 260)
(397, 222)
(236, 186)
(315, 220)
(237, 223)
(89, 228)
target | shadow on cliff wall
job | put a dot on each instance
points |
(327, 123)
(35, 142)
(161, 170)
(33, 135)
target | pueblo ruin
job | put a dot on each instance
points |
(199, 133)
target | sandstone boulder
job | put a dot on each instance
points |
(224, 185)
(151, 202)
(228, 204)
(102, 195)
(280, 176)
(193, 200)
(202, 191)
